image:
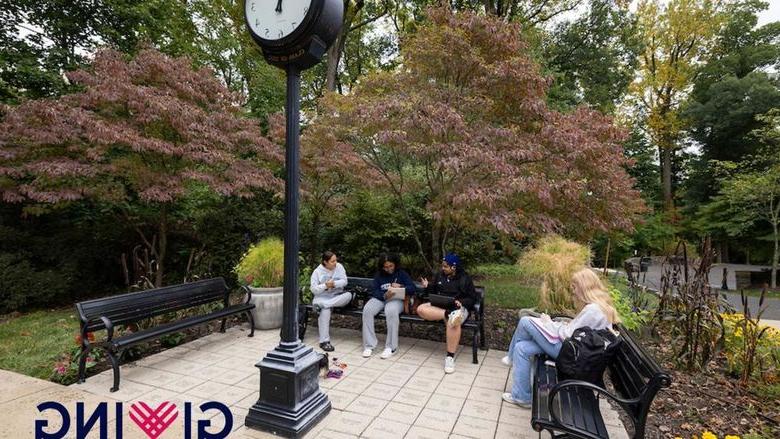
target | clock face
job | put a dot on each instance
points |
(275, 19)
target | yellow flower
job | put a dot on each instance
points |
(731, 436)
(708, 435)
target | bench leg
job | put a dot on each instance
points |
(114, 357)
(222, 325)
(83, 363)
(482, 334)
(251, 319)
(303, 322)
(474, 344)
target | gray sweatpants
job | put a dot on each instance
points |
(327, 301)
(393, 309)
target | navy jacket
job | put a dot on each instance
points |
(382, 282)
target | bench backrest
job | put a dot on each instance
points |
(636, 375)
(132, 307)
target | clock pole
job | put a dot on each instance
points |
(290, 401)
(291, 206)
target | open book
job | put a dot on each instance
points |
(548, 328)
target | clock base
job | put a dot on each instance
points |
(290, 402)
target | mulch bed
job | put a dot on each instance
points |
(711, 400)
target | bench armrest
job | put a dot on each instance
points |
(627, 404)
(109, 327)
(248, 293)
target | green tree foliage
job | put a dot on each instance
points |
(594, 57)
(730, 91)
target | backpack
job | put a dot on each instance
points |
(586, 354)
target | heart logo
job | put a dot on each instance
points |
(153, 422)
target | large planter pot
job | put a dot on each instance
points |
(268, 307)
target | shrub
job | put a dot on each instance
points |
(631, 318)
(766, 350)
(552, 262)
(263, 264)
(22, 285)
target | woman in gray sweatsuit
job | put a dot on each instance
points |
(327, 284)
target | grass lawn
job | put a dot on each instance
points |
(31, 343)
(508, 292)
(775, 294)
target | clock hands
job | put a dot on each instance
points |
(279, 7)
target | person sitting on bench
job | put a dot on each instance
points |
(535, 335)
(389, 276)
(452, 297)
(327, 285)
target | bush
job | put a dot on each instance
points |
(552, 262)
(22, 285)
(263, 264)
(631, 318)
(767, 352)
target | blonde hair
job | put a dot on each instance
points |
(588, 289)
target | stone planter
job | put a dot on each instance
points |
(268, 307)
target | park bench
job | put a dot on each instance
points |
(360, 286)
(125, 309)
(570, 408)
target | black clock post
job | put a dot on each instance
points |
(291, 401)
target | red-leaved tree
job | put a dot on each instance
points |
(464, 121)
(330, 169)
(141, 135)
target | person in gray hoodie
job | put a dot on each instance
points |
(327, 285)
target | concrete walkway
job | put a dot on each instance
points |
(405, 396)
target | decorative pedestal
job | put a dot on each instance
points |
(290, 398)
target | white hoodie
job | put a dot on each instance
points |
(322, 275)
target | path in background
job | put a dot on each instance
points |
(652, 279)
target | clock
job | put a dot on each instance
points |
(294, 32)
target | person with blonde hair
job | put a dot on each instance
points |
(536, 335)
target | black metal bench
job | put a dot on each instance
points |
(570, 408)
(123, 309)
(362, 285)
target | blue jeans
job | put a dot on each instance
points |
(527, 342)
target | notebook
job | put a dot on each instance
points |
(396, 293)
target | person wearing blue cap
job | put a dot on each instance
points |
(455, 296)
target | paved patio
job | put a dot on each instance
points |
(405, 396)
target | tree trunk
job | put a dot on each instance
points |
(775, 256)
(436, 243)
(334, 57)
(162, 248)
(666, 153)
(315, 240)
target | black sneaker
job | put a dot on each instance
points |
(326, 346)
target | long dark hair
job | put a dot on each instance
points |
(388, 257)
(326, 255)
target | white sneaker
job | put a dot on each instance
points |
(387, 353)
(506, 361)
(508, 398)
(367, 352)
(449, 364)
(456, 317)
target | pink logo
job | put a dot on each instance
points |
(153, 422)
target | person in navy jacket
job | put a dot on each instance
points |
(389, 275)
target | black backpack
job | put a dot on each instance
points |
(586, 354)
